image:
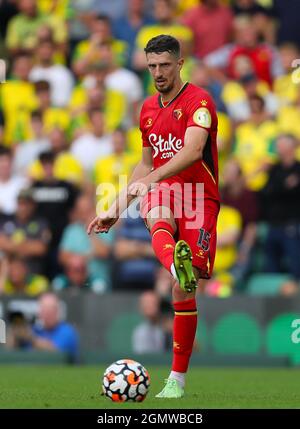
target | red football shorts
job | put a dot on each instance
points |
(196, 220)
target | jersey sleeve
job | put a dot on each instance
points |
(142, 128)
(201, 112)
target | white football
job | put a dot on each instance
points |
(126, 380)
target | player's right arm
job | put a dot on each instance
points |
(105, 220)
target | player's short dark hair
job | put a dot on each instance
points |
(163, 43)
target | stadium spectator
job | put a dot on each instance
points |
(8, 9)
(130, 23)
(10, 184)
(1, 127)
(262, 17)
(18, 280)
(77, 278)
(201, 76)
(22, 28)
(120, 79)
(246, 46)
(286, 87)
(91, 94)
(66, 167)
(93, 144)
(115, 168)
(53, 117)
(236, 194)
(95, 249)
(211, 24)
(164, 14)
(282, 211)
(25, 234)
(86, 53)
(149, 337)
(28, 151)
(229, 229)
(54, 199)
(134, 255)
(18, 100)
(236, 93)
(57, 75)
(112, 9)
(49, 333)
(254, 144)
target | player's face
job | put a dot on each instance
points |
(165, 70)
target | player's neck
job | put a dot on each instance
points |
(167, 98)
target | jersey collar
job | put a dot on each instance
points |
(163, 106)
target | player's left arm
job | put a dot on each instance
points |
(194, 141)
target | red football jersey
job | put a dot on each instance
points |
(163, 128)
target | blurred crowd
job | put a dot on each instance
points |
(76, 78)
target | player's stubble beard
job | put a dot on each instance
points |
(164, 90)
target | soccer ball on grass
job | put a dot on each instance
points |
(126, 380)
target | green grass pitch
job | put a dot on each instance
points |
(79, 387)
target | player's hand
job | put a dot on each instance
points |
(101, 223)
(139, 188)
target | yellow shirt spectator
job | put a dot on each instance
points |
(183, 5)
(135, 144)
(56, 117)
(62, 8)
(22, 31)
(18, 100)
(223, 138)
(66, 167)
(114, 108)
(34, 286)
(286, 89)
(235, 97)
(229, 221)
(110, 170)
(119, 48)
(179, 31)
(254, 147)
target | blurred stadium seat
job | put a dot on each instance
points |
(236, 333)
(266, 283)
(118, 335)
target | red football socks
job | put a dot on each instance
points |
(184, 331)
(163, 243)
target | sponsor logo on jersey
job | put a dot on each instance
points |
(177, 114)
(166, 148)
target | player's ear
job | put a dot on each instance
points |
(180, 63)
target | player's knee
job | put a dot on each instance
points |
(160, 215)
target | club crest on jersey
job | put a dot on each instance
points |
(149, 123)
(203, 103)
(177, 114)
